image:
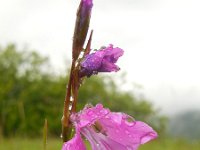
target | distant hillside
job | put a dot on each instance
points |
(186, 125)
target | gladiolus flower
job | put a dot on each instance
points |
(107, 130)
(101, 61)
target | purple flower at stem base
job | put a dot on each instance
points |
(101, 61)
(107, 130)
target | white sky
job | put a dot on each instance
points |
(160, 39)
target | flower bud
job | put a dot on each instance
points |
(81, 27)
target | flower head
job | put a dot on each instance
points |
(107, 130)
(101, 61)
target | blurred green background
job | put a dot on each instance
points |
(31, 91)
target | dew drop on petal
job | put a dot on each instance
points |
(107, 117)
(89, 113)
(99, 106)
(102, 111)
(127, 132)
(129, 147)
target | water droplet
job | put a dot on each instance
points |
(81, 54)
(107, 117)
(89, 113)
(97, 144)
(70, 107)
(61, 136)
(88, 106)
(71, 99)
(129, 147)
(99, 106)
(102, 111)
(127, 132)
(68, 146)
(129, 119)
(98, 113)
(130, 124)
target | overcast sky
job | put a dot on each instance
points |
(160, 39)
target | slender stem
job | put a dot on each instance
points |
(76, 79)
(45, 135)
(66, 125)
(72, 90)
(75, 87)
(68, 92)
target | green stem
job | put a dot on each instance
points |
(45, 135)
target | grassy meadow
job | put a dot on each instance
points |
(55, 144)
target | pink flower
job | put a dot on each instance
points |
(101, 61)
(107, 130)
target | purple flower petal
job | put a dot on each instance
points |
(106, 66)
(129, 133)
(107, 130)
(112, 54)
(101, 142)
(75, 143)
(101, 61)
(89, 115)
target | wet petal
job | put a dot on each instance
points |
(107, 130)
(75, 143)
(92, 62)
(130, 134)
(101, 142)
(101, 61)
(89, 116)
(112, 54)
(108, 67)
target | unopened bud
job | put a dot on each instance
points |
(81, 27)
